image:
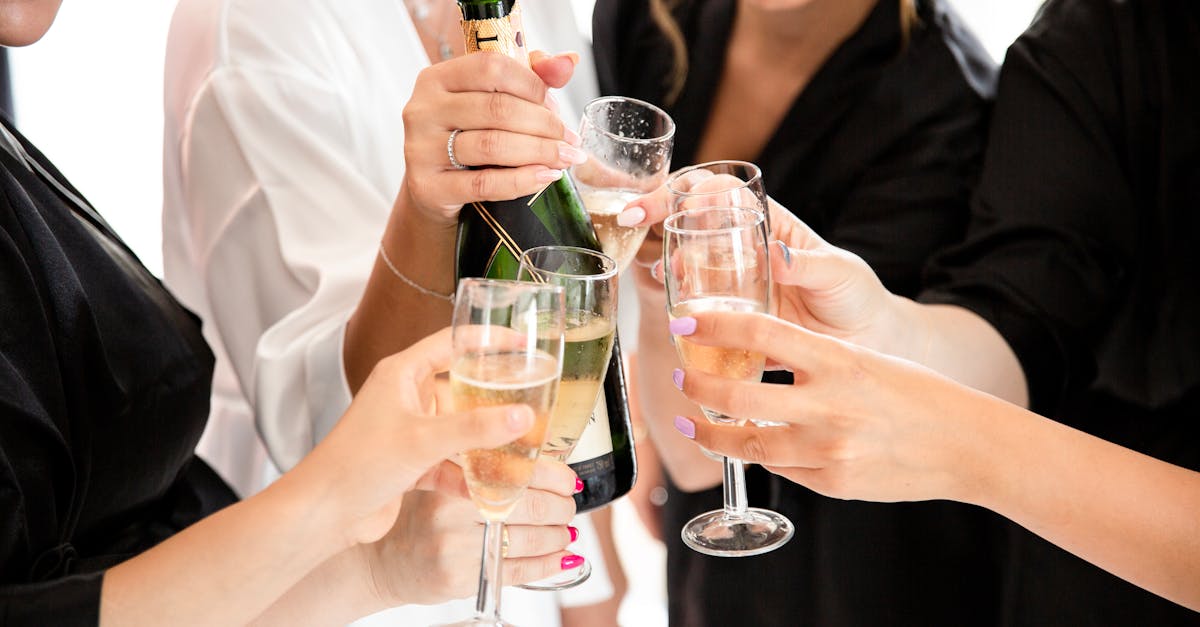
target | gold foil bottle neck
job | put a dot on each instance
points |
(504, 35)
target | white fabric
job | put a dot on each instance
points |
(283, 151)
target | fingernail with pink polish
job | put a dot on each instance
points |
(683, 326)
(632, 216)
(571, 561)
(677, 377)
(686, 427)
(574, 533)
(578, 485)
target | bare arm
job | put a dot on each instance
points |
(872, 427)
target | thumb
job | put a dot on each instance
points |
(554, 70)
(817, 270)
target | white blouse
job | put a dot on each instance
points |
(283, 152)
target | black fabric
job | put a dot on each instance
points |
(879, 154)
(1084, 251)
(104, 387)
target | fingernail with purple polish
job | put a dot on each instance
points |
(677, 377)
(686, 427)
(683, 326)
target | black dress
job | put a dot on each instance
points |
(1084, 251)
(879, 154)
(104, 387)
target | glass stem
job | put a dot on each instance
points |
(735, 488)
(487, 601)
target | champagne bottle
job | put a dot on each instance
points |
(491, 238)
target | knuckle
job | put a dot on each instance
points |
(492, 70)
(537, 507)
(498, 106)
(754, 448)
(481, 184)
(489, 145)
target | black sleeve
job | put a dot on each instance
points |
(607, 27)
(1053, 227)
(913, 200)
(36, 469)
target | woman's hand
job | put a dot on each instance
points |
(432, 552)
(819, 286)
(861, 425)
(389, 438)
(505, 118)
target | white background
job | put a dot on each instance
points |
(90, 96)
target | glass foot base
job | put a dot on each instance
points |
(479, 622)
(756, 532)
(562, 581)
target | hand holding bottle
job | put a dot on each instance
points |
(504, 117)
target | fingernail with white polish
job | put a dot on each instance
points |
(571, 154)
(632, 216)
(571, 137)
(548, 175)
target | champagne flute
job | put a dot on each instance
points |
(715, 259)
(508, 341)
(628, 143)
(589, 282)
(718, 184)
(721, 184)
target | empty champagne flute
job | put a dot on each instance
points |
(589, 283)
(628, 143)
(508, 341)
(715, 259)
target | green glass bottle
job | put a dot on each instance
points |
(491, 237)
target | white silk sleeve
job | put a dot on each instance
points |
(287, 228)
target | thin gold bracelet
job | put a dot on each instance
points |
(409, 282)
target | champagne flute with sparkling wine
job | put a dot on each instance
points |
(721, 184)
(628, 143)
(589, 282)
(715, 259)
(508, 342)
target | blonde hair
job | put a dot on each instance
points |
(661, 11)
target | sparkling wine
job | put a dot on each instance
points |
(604, 205)
(497, 477)
(730, 363)
(586, 352)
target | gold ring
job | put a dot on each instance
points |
(504, 542)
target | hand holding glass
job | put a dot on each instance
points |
(715, 259)
(508, 339)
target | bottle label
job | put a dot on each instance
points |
(503, 34)
(593, 453)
